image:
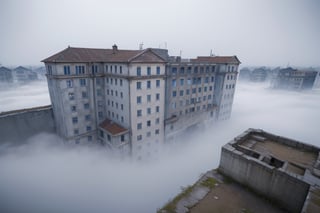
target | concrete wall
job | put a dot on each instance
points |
(17, 126)
(289, 192)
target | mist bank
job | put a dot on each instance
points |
(21, 96)
(46, 176)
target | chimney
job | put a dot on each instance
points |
(115, 48)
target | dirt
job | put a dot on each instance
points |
(233, 198)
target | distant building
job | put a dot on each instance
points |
(41, 72)
(22, 74)
(294, 79)
(286, 171)
(244, 74)
(131, 100)
(259, 74)
(5, 75)
(316, 84)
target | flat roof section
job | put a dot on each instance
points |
(305, 159)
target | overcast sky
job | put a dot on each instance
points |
(265, 32)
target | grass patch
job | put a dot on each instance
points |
(170, 207)
(209, 182)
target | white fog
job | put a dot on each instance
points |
(46, 176)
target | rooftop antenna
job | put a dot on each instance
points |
(211, 53)
(141, 46)
(180, 53)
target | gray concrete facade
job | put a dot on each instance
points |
(267, 164)
(19, 125)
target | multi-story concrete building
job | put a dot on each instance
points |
(22, 74)
(294, 79)
(130, 99)
(198, 92)
(5, 75)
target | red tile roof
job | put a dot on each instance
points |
(112, 127)
(217, 59)
(78, 55)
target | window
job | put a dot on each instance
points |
(86, 106)
(109, 137)
(181, 92)
(148, 84)
(88, 128)
(75, 120)
(139, 137)
(120, 69)
(174, 93)
(120, 82)
(88, 117)
(173, 83)
(187, 91)
(149, 123)
(84, 94)
(71, 96)
(189, 81)
(89, 138)
(101, 133)
(148, 70)
(199, 89)
(149, 98)
(106, 68)
(206, 80)
(99, 92)
(49, 70)
(181, 70)
(174, 70)
(138, 71)
(122, 119)
(213, 68)
(158, 70)
(199, 80)
(139, 112)
(116, 81)
(100, 114)
(139, 126)
(122, 136)
(157, 120)
(121, 106)
(115, 68)
(73, 108)
(205, 89)
(158, 83)
(69, 83)
(194, 81)
(66, 70)
(138, 85)
(76, 132)
(94, 69)
(157, 131)
(149, 111)
(79, 70)
(158, 96)
(148, 134)
(157, 108)
(82, 82)
(194, 90)
(139, 100)
(181, 82)
(121, 94)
